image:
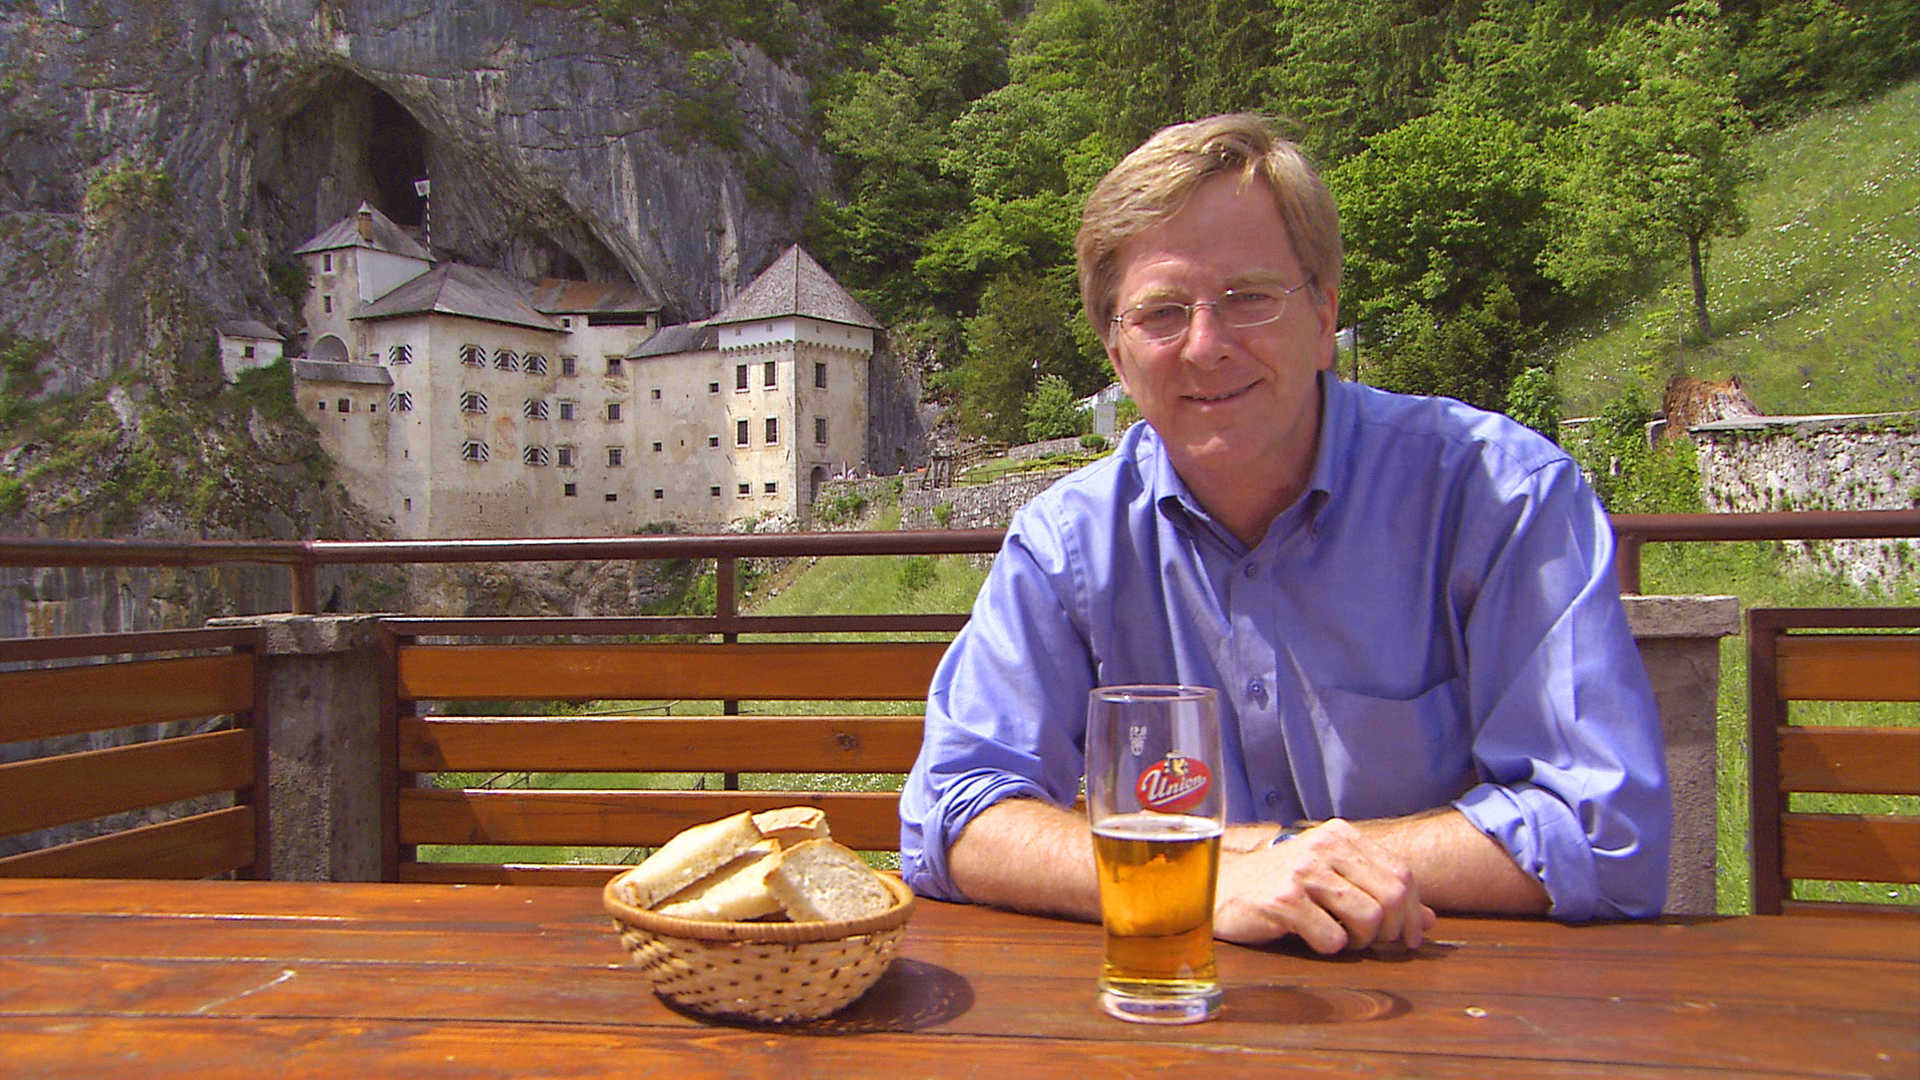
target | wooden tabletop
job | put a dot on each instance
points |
(146, 978)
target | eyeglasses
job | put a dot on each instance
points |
(1162, 322)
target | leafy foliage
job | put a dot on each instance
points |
(1051, 411)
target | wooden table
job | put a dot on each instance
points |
(147, 978)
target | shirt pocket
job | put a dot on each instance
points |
(1390, 756)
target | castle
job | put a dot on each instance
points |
(460, 402)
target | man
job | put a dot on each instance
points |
(1406, 604)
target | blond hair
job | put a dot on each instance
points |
(1154, 182)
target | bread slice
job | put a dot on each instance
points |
(820, 879)
(737, 891)
(792, 824)
(688, 857)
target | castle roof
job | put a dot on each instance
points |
(684, 338)
(795, 285)
(458, 289)
(365, 228)
(250, 328)
(559, 296)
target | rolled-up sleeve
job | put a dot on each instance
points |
(1006, 714)
(1567, 740)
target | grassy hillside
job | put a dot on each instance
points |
(1814, 308)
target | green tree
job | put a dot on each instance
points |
(1349, 69)
(1051, 411)
(1473, 353)
(1658, 169)
(1026, 330)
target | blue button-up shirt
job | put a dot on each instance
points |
(1435, 622)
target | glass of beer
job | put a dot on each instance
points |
(1157, 811)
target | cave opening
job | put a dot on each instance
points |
(397, 157)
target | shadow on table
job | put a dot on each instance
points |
(911, 995)
(1292, 1003)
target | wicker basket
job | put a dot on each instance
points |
(765, 971)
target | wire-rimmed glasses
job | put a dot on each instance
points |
(1163, 322)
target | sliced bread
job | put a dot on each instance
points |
(737, 891)
(792, 824)
(688, 857)
(820, 879)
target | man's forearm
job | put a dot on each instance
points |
(1030, 856)
(1457, 867)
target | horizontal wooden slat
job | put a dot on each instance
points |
(40, 704)
(661, 744)
(814, 671)
(1849, 667)
(189, 847)
(1831, 907)
(91, 784)
(860, 819)
(1851, 847)
(1853, 760)
(438, 873)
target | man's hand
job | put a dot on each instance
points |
(1332, 885)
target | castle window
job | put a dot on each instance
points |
(773, 431)
(612, 497)
(326, 262)
(659, 493)
(400, 401)
(712, 440)
(473, 450)
(613, 410)
(536, 363)
(535, 455)
(246, 352)
(713, 388)
(534, 408)
(326, 304)
(772, 488)
(570, 490)
(614, 366)
(739, 433)
(565, 456)
(820, 376)
(656, 448)
(714, 491)
(506, 360)
(616, 457)
(740, 377)
(569, 365)
(566, 410)
(399, 354)
(772, 375)
(655, 395)
(820, 430)
(746, 489)
(323, 404)
(473, 356)
(345, 405)
(473, 401)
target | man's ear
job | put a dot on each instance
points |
(1327, 310)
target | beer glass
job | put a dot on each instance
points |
(1157, 809)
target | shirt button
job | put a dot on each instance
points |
(1253, 570)
(1273, 798)
(1257, 690)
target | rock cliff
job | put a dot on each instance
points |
(166, 154)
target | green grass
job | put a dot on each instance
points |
(1814, 307)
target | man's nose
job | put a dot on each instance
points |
(1207, 336)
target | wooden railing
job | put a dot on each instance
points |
(304, 558)
(175, 743)
(470, 662)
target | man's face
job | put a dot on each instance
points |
(1226, 401)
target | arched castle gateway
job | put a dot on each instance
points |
(461, 402)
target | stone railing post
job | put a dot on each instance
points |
(322, 677)
(1679, 638)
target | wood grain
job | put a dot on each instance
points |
(1851, 847)
(1849, 667)
(94, 783)
(1854, 760)
(860, 744)
(827, 671)
(863, 820)
(41, 704)
(196, 846)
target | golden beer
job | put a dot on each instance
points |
(1157, 874)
